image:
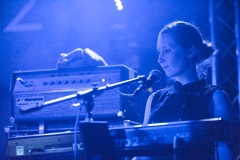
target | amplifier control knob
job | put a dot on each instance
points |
(87, 80)
(80, 80)
(65, 81)
(51, 82)
(44, 83)
(72, 81)
(58, 82)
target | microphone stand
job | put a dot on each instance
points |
(87, 96)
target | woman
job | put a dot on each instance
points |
(181, 49)
(184, 55)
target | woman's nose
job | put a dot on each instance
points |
(161, 58)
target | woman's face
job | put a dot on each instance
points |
(172, 57)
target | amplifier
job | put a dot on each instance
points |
(61, 145)
(37, 87)
(53, 145)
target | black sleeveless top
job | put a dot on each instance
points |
(182, 102)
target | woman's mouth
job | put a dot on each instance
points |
(165, 67)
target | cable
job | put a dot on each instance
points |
(123, 94)
(75, 132)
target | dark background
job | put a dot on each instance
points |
(33, 33)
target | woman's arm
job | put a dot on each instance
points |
(222, 107)
(148, 109)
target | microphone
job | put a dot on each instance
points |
(154, 76)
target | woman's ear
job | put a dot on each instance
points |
(192, 53)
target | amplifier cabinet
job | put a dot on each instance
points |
(37, 87)
(46, 146)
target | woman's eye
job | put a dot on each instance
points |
(167, 50)
(164, 51)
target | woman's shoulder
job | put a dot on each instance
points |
(210, 88)
(163, 90)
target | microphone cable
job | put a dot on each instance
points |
(75, 132)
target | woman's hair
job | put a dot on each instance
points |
(188, 36)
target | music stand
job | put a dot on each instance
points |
(96, 140)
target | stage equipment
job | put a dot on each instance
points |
(151, 140)
(31, 89)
